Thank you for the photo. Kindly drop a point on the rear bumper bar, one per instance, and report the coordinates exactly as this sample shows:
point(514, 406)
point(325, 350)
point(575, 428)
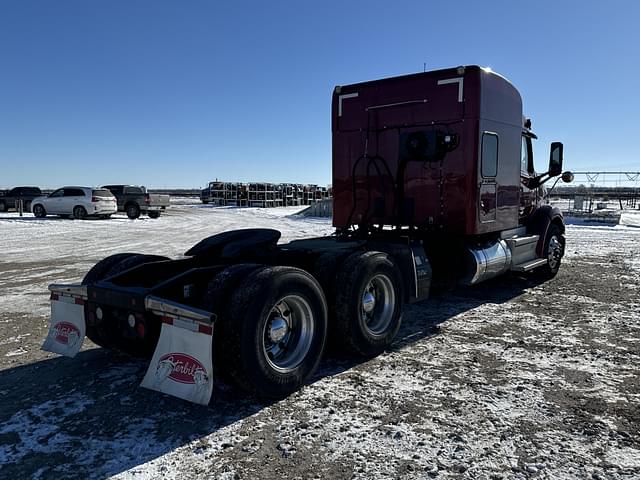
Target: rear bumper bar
point(73, 289)
point(153, 304)
point(163, 307)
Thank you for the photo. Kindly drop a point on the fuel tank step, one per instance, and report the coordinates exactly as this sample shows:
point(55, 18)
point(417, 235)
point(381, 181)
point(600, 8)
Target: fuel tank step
point(530, 265)
point(523, 248)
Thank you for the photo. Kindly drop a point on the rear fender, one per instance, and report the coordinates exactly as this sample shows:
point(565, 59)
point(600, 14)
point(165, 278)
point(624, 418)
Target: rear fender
point(235, 244)
point(540, 221)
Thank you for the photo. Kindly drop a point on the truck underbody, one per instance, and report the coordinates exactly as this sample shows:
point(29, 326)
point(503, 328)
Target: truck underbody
point(267, 310)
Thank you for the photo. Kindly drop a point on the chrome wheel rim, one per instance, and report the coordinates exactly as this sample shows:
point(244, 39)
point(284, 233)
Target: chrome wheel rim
point(554, 252)
point(377, 305)
point(288, 333)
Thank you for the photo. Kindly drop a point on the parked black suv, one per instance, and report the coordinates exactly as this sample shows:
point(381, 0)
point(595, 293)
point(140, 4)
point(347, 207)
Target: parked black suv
point(9, 198)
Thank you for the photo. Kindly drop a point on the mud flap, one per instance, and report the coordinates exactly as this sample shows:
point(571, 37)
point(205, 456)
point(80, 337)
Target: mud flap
point(182, 362)
point(67, 327)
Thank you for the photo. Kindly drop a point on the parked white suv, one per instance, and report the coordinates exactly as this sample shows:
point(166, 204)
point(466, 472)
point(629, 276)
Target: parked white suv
point(80, 202)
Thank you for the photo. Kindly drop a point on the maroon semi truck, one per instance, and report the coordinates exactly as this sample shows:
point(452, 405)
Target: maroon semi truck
point(433, 181)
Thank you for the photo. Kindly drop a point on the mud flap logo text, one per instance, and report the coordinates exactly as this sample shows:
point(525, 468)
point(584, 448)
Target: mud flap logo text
point(181, 368)
point(66, 333)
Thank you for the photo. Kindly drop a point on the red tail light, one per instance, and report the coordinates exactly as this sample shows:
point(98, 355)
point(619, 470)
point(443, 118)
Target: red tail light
point(95, 199)
point(146, 198)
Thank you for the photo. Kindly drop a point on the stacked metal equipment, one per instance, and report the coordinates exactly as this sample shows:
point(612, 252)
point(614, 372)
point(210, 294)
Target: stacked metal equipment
point(265, 195)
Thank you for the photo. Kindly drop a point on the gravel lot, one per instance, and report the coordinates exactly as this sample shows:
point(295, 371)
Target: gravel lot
point(510, 379)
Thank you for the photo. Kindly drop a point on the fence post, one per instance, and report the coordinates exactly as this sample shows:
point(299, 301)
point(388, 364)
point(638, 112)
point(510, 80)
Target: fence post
point(20, 206)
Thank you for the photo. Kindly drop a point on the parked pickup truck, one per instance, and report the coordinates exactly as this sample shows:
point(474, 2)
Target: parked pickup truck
point(9, 198)
point(135, 200)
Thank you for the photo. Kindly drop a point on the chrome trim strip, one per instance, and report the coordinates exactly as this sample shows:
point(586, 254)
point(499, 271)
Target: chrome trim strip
point(163, 306)
point(75, 289)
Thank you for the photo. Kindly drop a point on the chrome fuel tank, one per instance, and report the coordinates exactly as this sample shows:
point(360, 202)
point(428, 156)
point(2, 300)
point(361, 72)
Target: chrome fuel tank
point(486, 261)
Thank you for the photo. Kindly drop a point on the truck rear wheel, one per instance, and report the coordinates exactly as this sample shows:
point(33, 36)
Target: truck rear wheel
point(275, 331)
point(100, 271)
point(153, 214)
point(368, 302)
point(216, 300)
point(133, 261)
point(3, 206)
point(104, 332)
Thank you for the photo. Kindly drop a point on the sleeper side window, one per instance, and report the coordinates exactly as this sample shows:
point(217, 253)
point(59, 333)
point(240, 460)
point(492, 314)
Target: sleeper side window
point(489, 163)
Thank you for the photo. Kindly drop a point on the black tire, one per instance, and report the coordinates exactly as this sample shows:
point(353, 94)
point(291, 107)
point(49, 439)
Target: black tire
point(39, 211)
point(135, 260)
point(79, 212)
point(3, 206)
point(553, 251)
point(325, 270)
point(263, 306)
point(153, 214)
point(106, 334)
point(133, 210)
point(216, 300)
point(368, 303)
point(100, 271)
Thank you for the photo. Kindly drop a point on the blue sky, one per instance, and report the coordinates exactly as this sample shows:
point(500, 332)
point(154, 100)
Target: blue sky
point(174, 94)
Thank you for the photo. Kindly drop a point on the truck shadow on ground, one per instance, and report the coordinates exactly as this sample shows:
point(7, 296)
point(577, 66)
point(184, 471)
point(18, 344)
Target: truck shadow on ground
point(87, 417)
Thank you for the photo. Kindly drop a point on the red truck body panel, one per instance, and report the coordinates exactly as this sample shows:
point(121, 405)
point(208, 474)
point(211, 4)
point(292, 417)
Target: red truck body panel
point(450, 196)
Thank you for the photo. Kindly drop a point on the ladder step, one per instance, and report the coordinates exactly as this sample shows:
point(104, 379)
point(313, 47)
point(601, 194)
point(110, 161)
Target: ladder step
point(516, 242)
point(530, 265)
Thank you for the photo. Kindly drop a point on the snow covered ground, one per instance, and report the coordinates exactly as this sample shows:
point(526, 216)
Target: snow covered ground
point(510, 379)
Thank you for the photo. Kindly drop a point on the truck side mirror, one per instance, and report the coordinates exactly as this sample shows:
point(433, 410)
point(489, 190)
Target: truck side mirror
point(555, 159)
